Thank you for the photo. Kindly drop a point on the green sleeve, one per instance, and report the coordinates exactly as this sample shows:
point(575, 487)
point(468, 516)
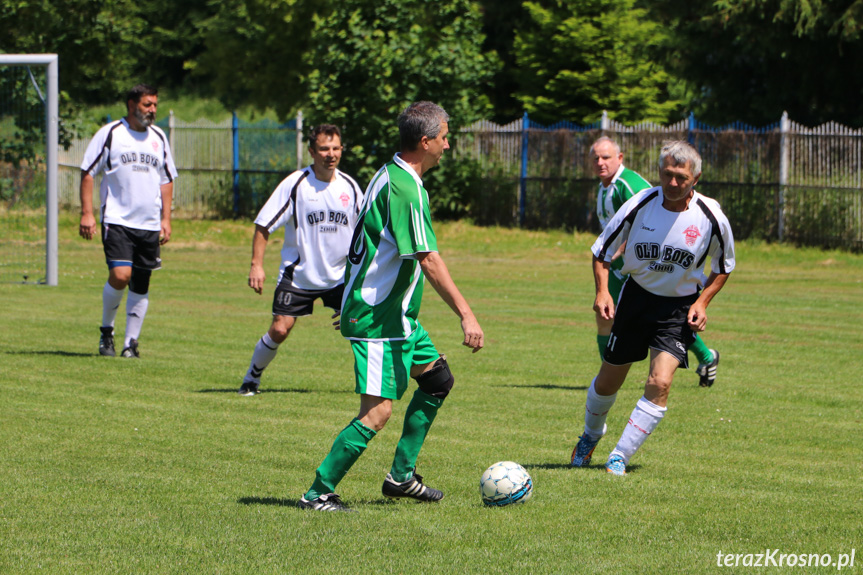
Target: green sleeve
point(410, 220)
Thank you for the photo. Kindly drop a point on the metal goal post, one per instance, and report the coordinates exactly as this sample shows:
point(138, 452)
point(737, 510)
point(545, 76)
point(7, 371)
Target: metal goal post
point(51, 61)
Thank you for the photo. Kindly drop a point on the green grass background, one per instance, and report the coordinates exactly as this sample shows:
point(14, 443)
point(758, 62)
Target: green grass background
point(158, 466)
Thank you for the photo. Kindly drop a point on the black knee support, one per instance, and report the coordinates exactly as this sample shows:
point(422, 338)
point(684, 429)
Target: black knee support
point(438, 381)
point(139, 283)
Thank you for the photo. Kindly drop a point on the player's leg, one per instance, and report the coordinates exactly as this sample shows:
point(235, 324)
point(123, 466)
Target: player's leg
point(145, 260)
point(648, 412)
point(597, 405)
point(350, 444)
point(434, 382)
point(627, 344)
point(118, 256)
point(374, 369)
point(289, 303)
point(265, 352)
point(669, 340)
point(708, 360)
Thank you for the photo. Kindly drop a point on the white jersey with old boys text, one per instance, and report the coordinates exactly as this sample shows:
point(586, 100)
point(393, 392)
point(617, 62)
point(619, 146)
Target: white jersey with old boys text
point(666, 251)
point(134, 165)
point(319, 219)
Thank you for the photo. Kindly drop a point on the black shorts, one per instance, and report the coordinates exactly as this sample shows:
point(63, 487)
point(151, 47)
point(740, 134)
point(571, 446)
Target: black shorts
point(294, 302)
point(644, 321)
point(130, 247)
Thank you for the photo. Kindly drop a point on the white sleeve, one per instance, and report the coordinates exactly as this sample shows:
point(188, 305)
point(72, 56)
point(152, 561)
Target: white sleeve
point(96, 156)
point(722, 246)
point(615, 232)
point(279, 208)
point(169, 172)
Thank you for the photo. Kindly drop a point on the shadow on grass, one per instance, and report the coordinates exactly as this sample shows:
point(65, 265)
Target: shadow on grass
point(549, 386)
point(278, 501)
point(268, 390)
point(595, 466)
point(284, 502)
point(58, 352)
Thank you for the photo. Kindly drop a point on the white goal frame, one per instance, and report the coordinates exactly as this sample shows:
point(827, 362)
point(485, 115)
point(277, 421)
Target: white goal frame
point(52, 122)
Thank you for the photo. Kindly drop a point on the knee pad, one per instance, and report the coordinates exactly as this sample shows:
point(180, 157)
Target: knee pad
point(139, 283)
point(438, 381)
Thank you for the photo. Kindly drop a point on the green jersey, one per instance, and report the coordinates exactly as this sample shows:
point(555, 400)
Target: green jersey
point(623, 186)
point(383, 278)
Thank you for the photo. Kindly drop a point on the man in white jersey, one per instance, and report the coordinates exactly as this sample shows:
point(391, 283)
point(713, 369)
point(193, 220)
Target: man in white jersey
point(616, 185)
point(318, 208)
point(668, 232)
point(137, 187)
point(393, 252)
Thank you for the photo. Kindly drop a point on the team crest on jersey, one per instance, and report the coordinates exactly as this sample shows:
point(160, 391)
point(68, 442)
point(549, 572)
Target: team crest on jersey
point(155, 145)
point(346, 200)
point(691, 234)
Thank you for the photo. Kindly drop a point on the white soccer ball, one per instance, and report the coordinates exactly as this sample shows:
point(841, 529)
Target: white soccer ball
point(505, 483)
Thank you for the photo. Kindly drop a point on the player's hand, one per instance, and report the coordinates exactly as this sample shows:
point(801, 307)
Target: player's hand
point(87, 227)
point(697, 318)
point(338, 323)
point(256, 278)
point(473, 336)
point(165, 232)
point(604, 305)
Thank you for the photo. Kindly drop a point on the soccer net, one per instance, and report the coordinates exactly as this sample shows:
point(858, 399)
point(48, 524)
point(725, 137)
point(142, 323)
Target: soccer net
point(28, 168)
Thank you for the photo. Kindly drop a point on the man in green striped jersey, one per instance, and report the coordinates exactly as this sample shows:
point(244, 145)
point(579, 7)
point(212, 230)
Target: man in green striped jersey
point(617, 184)
point(393, 251)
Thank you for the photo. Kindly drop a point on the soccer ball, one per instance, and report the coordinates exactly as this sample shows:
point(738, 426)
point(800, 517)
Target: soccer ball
point(505, 483)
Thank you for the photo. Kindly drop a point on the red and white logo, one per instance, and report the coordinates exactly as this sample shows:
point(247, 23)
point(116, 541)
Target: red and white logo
point(155, 145)
point(346, 200)
point(691, 234)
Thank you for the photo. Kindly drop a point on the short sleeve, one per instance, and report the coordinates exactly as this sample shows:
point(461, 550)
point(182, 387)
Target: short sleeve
point(410, 221)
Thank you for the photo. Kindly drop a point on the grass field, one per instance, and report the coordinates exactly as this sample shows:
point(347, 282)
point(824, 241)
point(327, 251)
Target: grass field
point(158, 466)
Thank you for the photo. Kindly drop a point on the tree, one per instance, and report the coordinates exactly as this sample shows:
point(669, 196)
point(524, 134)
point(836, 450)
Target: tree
point(751, 60)
point(500, 20)
point(580, 57)
point(105, 47)
point(255, 52)
point(372, 58)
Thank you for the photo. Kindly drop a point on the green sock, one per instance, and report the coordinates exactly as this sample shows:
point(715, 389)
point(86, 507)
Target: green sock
point(701, 351)
point(418, 419)
point(602, 342)
point(347, 448)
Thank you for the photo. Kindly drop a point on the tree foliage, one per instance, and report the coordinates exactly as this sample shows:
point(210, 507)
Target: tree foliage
point(580, 57)
point(751, 60)
point(105, 47)
point(374, 58)
point(254, 52)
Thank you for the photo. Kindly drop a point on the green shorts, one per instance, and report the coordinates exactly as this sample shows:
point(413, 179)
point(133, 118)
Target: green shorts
point(383, 368)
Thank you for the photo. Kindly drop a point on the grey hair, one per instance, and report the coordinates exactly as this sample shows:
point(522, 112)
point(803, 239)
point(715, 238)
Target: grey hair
point(602, 139)
point(418, 120)
point(681, 152)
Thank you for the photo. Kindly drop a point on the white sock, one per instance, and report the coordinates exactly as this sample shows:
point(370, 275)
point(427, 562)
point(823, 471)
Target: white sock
point(644, 419)
point(111, 299)
point(136, 309)
point(596, 411)
point(265, 351)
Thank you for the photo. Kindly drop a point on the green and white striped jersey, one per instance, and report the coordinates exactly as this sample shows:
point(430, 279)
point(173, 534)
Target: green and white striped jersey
point(383, 278)
point(623, 186)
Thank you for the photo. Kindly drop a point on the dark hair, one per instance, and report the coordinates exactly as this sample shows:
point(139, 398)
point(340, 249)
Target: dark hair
point(418, 120)
point(141, 90)
point(330, 130)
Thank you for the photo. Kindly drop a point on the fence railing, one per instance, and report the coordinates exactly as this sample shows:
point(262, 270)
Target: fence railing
point(784, 181)
point(225, 167)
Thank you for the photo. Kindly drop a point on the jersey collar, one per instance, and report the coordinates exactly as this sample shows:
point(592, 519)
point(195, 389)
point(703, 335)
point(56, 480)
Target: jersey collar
point(614, 179)
point(406, 167)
